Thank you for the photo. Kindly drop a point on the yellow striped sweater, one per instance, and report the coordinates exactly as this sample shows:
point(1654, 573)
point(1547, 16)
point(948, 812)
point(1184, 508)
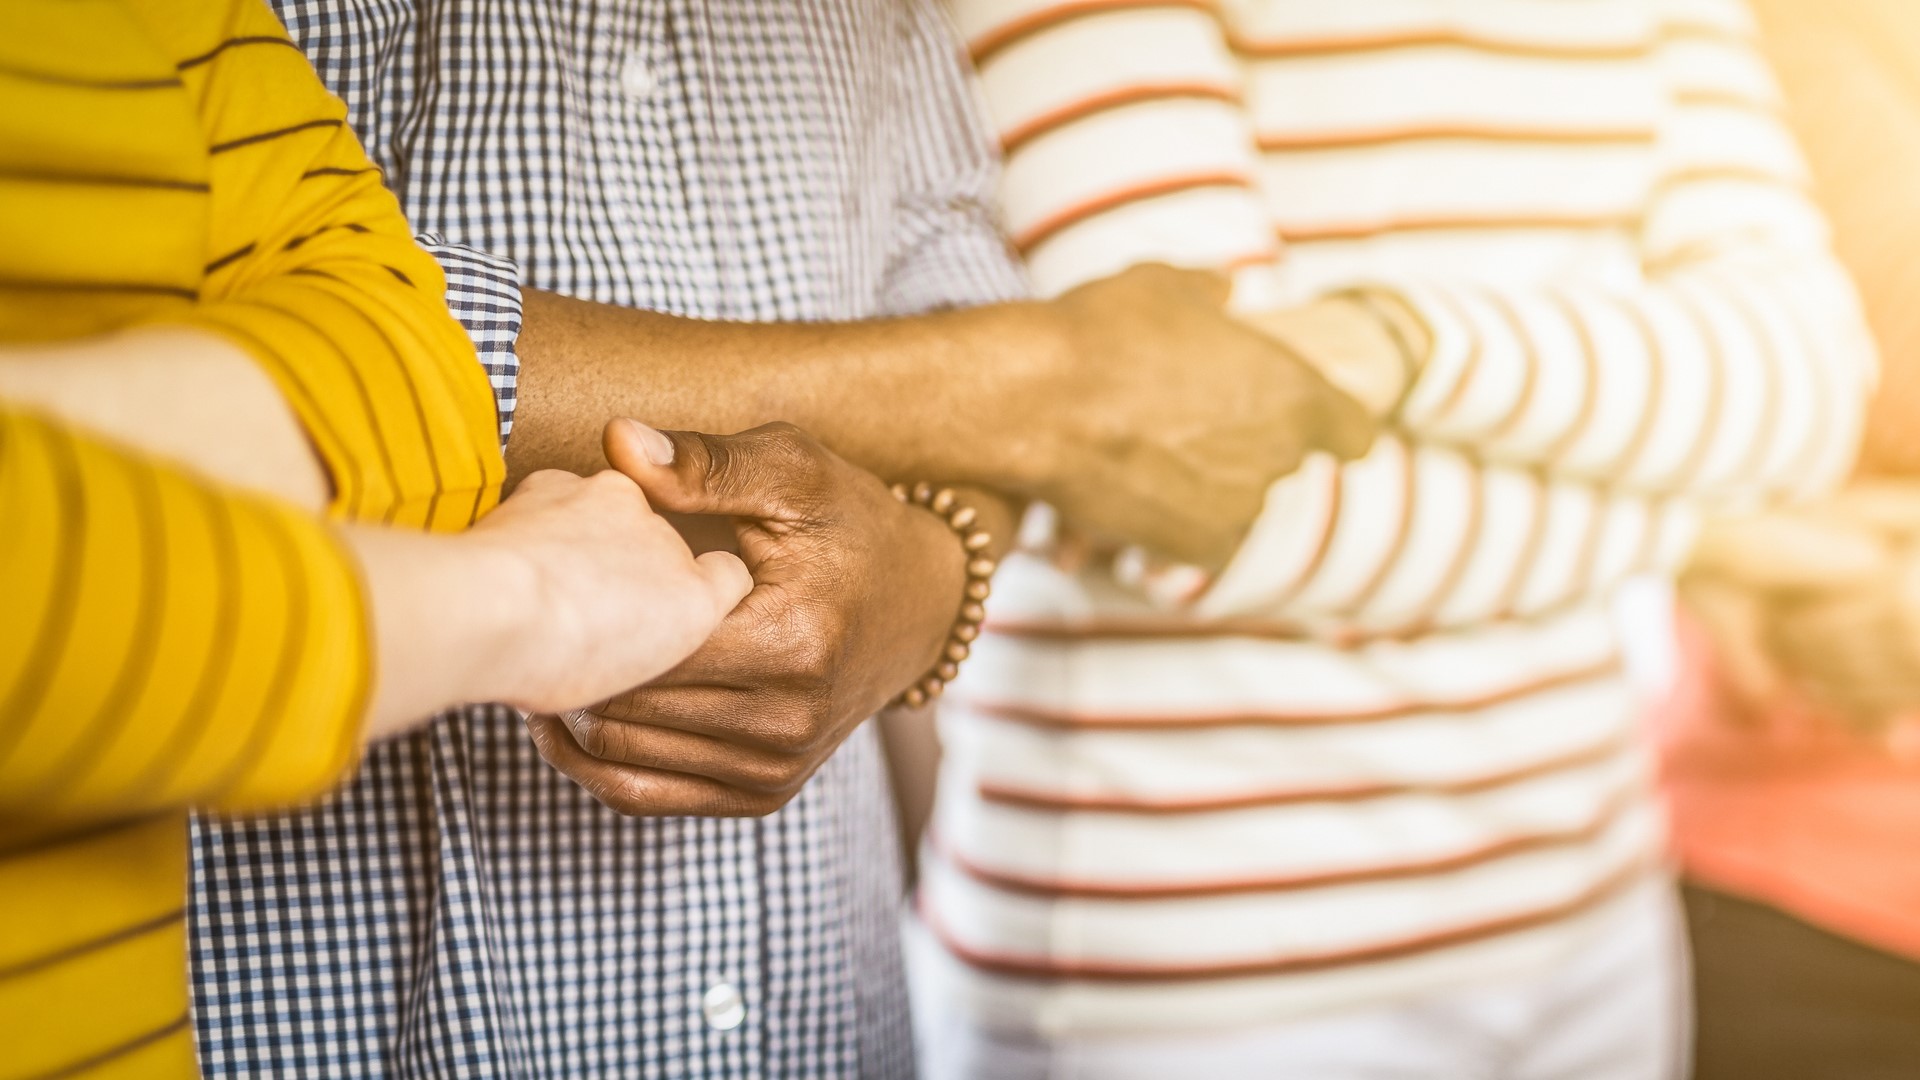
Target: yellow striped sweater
point(167, 644)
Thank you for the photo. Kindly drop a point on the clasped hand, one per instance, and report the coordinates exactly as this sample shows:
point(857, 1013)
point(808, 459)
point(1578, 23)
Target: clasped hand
point(852, 599)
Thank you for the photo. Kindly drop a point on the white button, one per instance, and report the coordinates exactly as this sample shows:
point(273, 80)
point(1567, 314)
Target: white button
point(636, 78)
point(723, 1006)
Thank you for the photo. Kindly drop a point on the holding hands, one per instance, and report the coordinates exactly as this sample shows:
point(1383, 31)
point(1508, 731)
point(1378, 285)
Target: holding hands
point(853, 597)
point(1174, 417)
point(570, 590)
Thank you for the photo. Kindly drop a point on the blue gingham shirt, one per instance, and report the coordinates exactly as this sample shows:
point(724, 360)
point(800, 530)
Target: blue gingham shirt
point(461, 909)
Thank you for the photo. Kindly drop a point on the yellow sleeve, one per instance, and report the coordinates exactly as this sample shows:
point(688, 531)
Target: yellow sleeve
point(166, 643)
point(313, 268)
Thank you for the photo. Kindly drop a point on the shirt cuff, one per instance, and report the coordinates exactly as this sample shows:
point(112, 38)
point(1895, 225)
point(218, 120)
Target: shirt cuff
point(483, 292)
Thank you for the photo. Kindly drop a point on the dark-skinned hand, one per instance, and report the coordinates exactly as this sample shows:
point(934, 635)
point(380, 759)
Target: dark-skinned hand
point(854, 595)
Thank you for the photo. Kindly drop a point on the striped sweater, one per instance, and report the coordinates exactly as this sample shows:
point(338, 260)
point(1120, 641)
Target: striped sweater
point(165, 643)
point(1389, 747)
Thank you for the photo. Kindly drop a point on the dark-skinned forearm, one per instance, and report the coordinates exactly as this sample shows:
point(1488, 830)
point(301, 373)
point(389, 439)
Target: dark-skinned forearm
point(909, 399)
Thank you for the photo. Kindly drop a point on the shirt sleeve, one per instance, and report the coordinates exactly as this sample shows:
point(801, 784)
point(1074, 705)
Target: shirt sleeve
point(1419, 536)
point(483, 292)
point(315, 271)
point(947, 249)
point(1556, 438)
point(1737, 368)
point(167, 642)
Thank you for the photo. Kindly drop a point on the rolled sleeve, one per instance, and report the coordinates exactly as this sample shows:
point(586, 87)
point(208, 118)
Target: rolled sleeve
point(947, 248)
point(483, 292)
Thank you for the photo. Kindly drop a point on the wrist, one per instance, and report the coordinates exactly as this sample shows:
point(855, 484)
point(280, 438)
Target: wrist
point(971, 544)
point(444, 613)
point(1003, 441)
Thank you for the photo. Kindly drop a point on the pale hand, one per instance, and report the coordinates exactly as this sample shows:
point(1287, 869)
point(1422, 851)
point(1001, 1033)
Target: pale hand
point(618, 596)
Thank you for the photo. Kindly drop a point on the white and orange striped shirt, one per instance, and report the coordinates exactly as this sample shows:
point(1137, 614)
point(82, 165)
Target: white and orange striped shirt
point(1389, 748)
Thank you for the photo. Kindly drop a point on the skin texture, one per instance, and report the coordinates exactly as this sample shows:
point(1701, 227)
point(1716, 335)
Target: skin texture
point(188, 395)
point(571, 590)
point(854, 593)
point(1096, 403)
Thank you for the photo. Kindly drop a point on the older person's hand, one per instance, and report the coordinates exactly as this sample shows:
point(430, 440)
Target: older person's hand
point(854, 595)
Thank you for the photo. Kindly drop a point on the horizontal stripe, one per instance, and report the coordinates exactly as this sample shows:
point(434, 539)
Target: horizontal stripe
point(986, 45)
point(93, 1062)
point(1303, 233)
point(1569, 136)
point(161, 183)
point(983, 47)
point(335, 170)
point(1037, 234)
point(78, 836)
point(140, 929)
point(55, 78)
point(1738, 174)
point(268, 136)
point(148, 287)
point(232, 43)
point(1507, 847)
point(1027, 967)
point(1176, 628)
point(1078, 721)
point(1113, 99)
point(1439, 37)
point(1030, 799)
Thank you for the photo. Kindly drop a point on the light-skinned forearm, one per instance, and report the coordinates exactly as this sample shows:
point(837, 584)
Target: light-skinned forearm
point(444, 615)
point(188, 395)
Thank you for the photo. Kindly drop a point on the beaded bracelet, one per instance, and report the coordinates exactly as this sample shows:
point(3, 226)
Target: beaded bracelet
point(960, 518)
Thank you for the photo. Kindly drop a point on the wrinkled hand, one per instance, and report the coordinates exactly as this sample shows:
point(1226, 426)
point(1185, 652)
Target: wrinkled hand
point(1174, 418)
point(854, 594)
point(616, 596)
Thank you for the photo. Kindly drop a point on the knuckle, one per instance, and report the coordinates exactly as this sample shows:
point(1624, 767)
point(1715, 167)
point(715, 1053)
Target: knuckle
point(770, 775)
point(791, 447)
point(589, 732)
point(793, 733)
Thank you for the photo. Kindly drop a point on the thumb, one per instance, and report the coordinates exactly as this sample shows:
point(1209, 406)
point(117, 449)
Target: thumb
point(752, 474)
point(726, 578)
point(1345, 427)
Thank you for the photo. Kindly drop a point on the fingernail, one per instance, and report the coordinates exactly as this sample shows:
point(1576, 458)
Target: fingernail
point(657, 447)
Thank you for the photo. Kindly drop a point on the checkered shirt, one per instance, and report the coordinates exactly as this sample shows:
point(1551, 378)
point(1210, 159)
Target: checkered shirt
point(461, 909)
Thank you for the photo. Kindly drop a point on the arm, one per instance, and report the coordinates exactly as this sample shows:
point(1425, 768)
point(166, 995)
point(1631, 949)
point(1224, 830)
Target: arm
point(313, 272)
point(1154, 449)
point(1736, 370)
point(174, 643)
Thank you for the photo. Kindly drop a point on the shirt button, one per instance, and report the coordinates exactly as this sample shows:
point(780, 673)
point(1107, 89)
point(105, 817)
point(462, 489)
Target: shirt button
point(723, 1006)
point(636, 78)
